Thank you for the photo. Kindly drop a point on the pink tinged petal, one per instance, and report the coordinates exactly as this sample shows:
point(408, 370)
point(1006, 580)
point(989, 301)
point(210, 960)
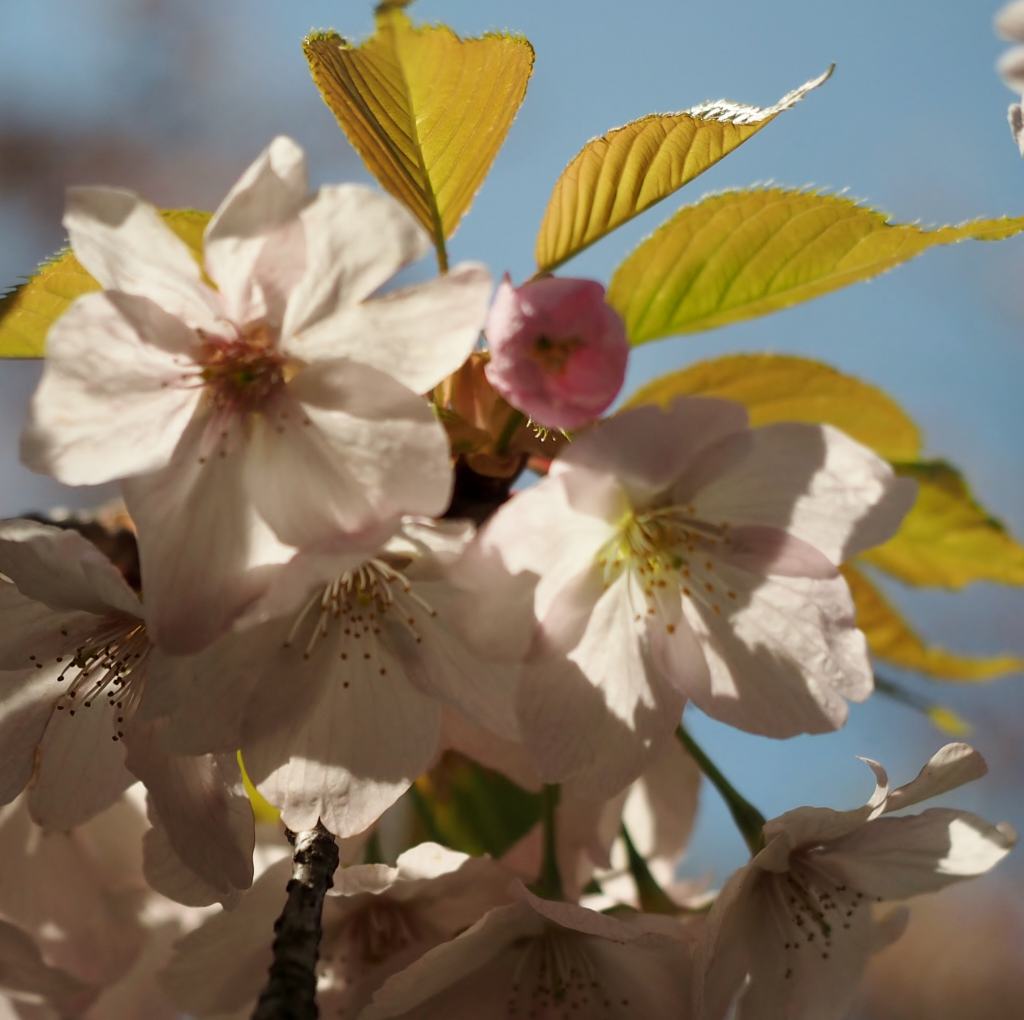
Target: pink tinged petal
point(418, 335)
point(54, 887)
point(123, 243)
point(809, 480)
point(782, 658)
point(648, 448)
point(365, 734)
point(592, 709)
point(222, 965)
point(166, 873)
point(26, 702)
point(812, 826)
point(206, 554)
point(1011, 68)
point(371, 450)
point(765, 550)
point(200, 802)
point(950, 767)
point(510, 758)
point(558, 351)
point(27, 978)
point(441, 664)
point(661, 810)
point(114, 397)
point(34, 636)
point(81, 767)
point(356, 240)
point(257, 215)
point(893, 858)
point(459, 974)
point(62, 570)
point(800, 972)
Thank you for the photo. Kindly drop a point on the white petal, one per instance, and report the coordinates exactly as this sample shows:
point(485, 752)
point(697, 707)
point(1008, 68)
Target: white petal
point(951, 766)
point(363, 735)
point(253, 220)
point(450, 969)
point(647, 448)
point(26, 701)
point(126, 246)
point(111, 402)
point(809, 480)
point(27, 978)
point(200, 802)
point(81, 767)
point(893, 858)
point(783, 663)
point(371, 451)
point(34, 636)
point(205, 553)
point(598, 713)
point(222, 965)
point(418, 335)
point(63, 570)
point(356, 240)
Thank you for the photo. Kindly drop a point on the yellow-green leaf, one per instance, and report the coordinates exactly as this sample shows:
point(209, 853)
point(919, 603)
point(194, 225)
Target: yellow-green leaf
point(779, 387)
point(28, 311)
point(617, 176)
point(744, 253)
point(948, 540)
point(426, 110)
point(890, 637)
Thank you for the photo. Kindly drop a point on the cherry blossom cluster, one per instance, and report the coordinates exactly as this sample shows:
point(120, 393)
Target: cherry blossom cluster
point(322, 592)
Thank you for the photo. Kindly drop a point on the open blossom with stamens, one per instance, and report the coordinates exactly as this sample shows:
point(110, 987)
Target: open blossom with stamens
point(377, 919)
point(797, 921)
point(337, 704)
point(680, 554)
point(548, 959)
point(75, 665)
point(276, 412)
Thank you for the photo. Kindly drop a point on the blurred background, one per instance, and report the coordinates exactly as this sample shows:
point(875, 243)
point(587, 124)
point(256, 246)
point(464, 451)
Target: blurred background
point(173, 98)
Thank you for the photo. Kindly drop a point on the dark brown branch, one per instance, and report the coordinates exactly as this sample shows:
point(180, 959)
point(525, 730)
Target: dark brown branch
point(290, 991)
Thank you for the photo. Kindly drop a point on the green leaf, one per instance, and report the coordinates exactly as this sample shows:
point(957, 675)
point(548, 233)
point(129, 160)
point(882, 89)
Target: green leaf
point(426, 110)
point(617, 176)
point(28, 311)
point(891, 638)
point(948, 540)
point(476, 810)
point(745, 253)
point(779, 387)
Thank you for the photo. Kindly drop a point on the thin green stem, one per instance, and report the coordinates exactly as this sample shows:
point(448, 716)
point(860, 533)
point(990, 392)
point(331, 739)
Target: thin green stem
point(747, 818)
point(514, 420)
point(652, 897)
point(549, 883)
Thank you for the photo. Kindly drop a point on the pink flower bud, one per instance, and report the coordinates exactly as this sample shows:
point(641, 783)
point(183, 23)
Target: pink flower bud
point(558, 351)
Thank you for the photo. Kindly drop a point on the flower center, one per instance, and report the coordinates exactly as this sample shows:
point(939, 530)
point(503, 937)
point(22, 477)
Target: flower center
point(242, 374)
point(358, 604)
point(108, 667)
point(376, 932)
point(554, 977)
point(811, 908)
point(553, 354)
point(668, 548)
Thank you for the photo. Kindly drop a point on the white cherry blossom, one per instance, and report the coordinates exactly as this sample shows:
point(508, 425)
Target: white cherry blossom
point(548, 959)
point(272, 413)
point(337, 704)
point(680, 554)
point(75, 665)
point(797, 921)
point(377, 919)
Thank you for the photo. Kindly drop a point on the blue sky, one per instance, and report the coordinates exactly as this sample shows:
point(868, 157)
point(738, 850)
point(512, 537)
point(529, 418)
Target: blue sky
point(913, 122)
